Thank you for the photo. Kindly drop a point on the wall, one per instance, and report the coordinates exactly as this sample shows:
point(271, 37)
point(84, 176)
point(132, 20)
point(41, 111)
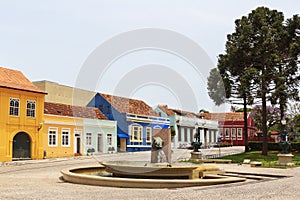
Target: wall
point(59, 123)
point(11, 125)
point(64, 94)
point(102, 127)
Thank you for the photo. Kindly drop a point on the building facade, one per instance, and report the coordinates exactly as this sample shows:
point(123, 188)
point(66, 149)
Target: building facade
point(136, 121)
point(57, 93)
point(185, 124)
point(231, 126)
point(21, 107)
point(75, 130)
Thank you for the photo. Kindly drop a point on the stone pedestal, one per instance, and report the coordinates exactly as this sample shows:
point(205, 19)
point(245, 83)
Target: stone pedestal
point(163, 154)
point(285, 159)
point(196, 155)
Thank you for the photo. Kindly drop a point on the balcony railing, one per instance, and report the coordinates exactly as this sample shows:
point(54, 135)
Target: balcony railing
point(148, 119)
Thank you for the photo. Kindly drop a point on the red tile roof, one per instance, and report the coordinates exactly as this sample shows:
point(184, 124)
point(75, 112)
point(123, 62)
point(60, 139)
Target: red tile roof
point(229, 116)
point(126, 105)
point(14, 79)
point(73, 111)
point(172, 112)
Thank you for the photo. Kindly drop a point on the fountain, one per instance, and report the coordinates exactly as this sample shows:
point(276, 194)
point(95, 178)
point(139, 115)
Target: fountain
point(154, 174)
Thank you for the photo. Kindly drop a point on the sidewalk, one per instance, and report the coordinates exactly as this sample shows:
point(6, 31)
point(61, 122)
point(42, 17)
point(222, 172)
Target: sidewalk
point(177, 154)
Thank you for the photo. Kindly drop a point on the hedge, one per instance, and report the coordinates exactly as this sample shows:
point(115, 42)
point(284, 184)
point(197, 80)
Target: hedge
point(273, 146)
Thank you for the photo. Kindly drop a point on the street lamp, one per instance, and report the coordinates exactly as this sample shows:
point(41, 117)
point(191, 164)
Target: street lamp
point(284, 143)
point(284, 157)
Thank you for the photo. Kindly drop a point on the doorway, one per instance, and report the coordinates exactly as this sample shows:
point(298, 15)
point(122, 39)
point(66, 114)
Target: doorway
point(100, 143)
point(77, 142)
point(21, 146)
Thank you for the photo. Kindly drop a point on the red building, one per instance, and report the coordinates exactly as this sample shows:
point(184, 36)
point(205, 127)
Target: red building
point(231, 126)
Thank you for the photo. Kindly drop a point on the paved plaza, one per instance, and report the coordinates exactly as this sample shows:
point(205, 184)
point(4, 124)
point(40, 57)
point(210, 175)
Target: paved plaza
point(41, 179)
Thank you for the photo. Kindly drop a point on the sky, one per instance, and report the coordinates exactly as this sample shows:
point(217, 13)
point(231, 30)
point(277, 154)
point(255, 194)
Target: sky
point(68, 41)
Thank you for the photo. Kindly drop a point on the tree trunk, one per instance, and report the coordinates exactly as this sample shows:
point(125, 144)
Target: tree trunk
point(245, 125)
point(264, 113)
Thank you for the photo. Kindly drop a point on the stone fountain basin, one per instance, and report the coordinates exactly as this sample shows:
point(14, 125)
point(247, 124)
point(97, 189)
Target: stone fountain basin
point(140, 169)
point(87, 175)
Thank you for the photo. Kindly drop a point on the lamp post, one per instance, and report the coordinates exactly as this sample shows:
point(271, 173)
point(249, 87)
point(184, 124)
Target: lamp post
point(284, 143)
point(284, 157)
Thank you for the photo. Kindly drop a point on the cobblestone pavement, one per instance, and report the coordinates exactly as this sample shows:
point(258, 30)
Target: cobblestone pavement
point(40, 179)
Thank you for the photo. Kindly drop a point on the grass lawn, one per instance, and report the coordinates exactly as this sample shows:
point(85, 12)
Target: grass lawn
point(267, 161)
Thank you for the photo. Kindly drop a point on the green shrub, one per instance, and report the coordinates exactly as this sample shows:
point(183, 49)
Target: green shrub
point(257, 146)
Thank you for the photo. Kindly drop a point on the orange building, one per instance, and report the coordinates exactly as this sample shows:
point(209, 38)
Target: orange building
point(21, 115)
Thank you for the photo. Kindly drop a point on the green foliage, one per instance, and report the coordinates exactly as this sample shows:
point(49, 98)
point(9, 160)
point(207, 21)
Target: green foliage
point(257, 146)
point(242, 110)
point(91, 150)
point(260, 63)
point(267, 161)
point(215, 86)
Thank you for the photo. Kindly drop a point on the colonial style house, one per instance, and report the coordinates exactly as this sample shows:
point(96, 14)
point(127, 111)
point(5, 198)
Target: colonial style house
point(231, 126)
point(136, 120)
point(76, 130)
point(185, 124)
point(21, 107)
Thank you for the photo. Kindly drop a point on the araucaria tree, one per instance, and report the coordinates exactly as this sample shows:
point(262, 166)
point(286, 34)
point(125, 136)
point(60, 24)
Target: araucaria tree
point(256, 55)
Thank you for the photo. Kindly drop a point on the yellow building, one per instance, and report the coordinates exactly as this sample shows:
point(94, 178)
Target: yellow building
point(72, 130)
point(21, 116)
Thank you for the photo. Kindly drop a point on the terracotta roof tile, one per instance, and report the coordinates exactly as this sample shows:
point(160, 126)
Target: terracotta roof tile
point(126, 105)
point(73, 111)
point(166, 110)
point(229, 116)
point(172, 112)
point(16, 80)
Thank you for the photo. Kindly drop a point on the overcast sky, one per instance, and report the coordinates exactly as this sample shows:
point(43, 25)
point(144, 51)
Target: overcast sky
point(51, 40)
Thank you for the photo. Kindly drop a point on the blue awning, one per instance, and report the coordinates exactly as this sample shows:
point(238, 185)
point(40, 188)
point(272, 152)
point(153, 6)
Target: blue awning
point(123, 135)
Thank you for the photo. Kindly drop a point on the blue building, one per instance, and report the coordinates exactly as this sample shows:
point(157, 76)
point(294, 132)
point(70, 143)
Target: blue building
point(136, 121)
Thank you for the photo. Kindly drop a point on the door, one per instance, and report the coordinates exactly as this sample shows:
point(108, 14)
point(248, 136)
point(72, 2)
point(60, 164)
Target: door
point(21, 146)
point(123, 144)
point(77, 141)
point(100, 143)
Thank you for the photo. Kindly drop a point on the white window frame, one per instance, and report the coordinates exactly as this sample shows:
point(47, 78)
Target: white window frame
point(148, 134)
point(240, 133)
point(227, 132)
point(88, 139)
point(31, 111)
point(233, 133)
point(109, 139)
point(65, 142)
point(14, 108)
point(136, 130)
point(52, 132)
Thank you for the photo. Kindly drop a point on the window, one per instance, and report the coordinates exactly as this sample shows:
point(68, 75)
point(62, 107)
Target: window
point(101, 107)
point(148, 134)
point(65, 137)
point(136, 133)
point(109, 139)
point(52, 137)
point(14, 107)
point(30, 109)
point(108, 109)
point(226, 132)
point(88, 139)
point(239, 133)
point(233, 133)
